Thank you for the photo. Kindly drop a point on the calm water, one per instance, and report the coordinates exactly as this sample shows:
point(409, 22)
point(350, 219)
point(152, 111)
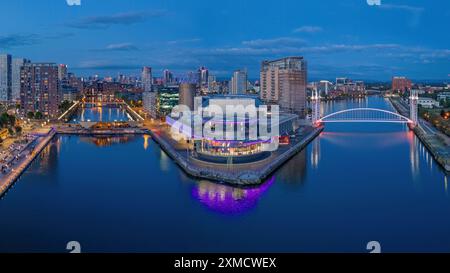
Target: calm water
point(354, 184)
point(100, 114)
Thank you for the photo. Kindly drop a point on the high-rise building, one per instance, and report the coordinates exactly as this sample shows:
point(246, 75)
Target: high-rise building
point(149, 101)
point(238, 84)
point(17, 64)
point(283, 82)
point(167, 77)
point(187, 95)
point(62, 72)
point(147, 78)
point(203, 76)
point(75, 82)
point(39, 91)
point(5, 77)
point(212, 84)
point(324, 87)
point(401, 84)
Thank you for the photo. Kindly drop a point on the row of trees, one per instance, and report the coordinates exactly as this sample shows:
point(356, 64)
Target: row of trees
point(9, 122)
point(439, 120)
point(37, 115)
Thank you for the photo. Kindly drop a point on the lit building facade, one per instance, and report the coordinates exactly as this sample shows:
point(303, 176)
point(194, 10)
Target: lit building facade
point(62, 72)
point(16, 65)
point(401, 84)
point(203, 77)
point(284, 82)
point(238, 83)
point(147, 78)
point(149, 101)
point(5, 77)
point(39, 91)
point(225, 147)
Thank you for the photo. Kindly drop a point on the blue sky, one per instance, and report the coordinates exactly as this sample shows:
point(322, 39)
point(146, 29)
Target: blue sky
point(337, 37)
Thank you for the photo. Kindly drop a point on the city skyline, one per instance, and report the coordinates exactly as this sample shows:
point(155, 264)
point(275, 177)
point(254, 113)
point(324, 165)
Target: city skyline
point(123, 37)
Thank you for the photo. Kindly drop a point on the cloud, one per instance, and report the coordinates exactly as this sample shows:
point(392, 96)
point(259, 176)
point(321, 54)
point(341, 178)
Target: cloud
point(194, 40)
point(16, 40)
point(258, 50)
point(308, 29)
point(120, 47)
point(105, 21)
point(276, 42)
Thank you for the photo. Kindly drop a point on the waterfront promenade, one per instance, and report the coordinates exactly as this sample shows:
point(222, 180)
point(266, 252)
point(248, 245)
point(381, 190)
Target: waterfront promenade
point(25, 157)
point(236, 174)
point(436, 142)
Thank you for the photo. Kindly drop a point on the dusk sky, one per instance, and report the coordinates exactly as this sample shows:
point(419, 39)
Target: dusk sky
point(337, 37)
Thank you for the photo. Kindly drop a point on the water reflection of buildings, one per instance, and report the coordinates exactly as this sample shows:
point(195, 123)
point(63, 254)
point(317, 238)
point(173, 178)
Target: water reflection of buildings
point(315, 153)
point(445, 184)
point(229, 200)
point(414, 157)
point(417, 152)
point(49, 156)
point(103, 113)
point(146, 138)
point(294, 171)
point(105, 141)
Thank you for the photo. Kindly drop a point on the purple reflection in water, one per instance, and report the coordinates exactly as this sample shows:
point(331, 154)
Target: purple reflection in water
point(229, 200)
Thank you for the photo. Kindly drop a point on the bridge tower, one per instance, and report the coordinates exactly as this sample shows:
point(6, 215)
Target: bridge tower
point(315, 106)
point(413, 99)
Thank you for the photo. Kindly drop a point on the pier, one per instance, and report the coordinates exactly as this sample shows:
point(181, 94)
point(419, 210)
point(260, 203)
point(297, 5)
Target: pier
point(245, 174)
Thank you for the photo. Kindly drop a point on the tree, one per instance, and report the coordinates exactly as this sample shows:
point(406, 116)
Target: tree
point(18, 130)
point(4, 120)
point(65, 105)
point(12, 120)
point(30, 115)
point(38, 115)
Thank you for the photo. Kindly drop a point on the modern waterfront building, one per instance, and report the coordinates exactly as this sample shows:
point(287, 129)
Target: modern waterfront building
point(348, 86)
point(284, 82)
point(401, 84)
point(225, 147)
point(187, 95)
point(5, 77)
point(149, 101)
point(160, 102)
point(16, 66)
point(39, 90)
point(167, 99)
point(101, 91)
point(238, 83)
point(147, 78)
